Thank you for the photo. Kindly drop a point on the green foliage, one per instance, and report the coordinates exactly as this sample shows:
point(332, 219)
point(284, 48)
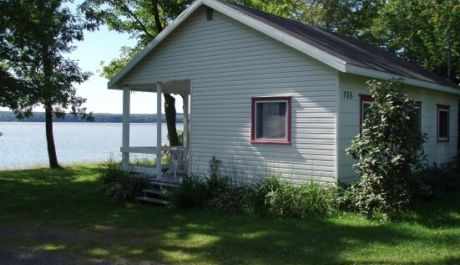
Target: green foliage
point(180, 135)
point(193, 193)
point(269, 197)
point(388, 151)
point(440, 180)
point(36, 35)
point(235, 200)
point(422, 32)
point(119, 184)
point(111, 68)
point(216, 182)
point(348, 197)
point(311, 199)
point(348, 17)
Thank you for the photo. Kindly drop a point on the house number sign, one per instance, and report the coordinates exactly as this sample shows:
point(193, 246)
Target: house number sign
point(347, 94)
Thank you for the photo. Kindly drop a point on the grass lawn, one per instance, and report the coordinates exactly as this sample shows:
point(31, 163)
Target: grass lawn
point(65, 212)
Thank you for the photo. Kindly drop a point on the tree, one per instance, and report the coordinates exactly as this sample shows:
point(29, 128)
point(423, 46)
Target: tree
point(389, 149)
point(348, 17)
point(424, 32)
point(143, 20)
point(34, 36)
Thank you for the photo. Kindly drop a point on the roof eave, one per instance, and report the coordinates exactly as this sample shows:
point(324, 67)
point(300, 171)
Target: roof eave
point(353, 69)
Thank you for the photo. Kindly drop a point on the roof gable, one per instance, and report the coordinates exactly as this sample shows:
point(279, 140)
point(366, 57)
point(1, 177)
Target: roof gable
point(342, 53)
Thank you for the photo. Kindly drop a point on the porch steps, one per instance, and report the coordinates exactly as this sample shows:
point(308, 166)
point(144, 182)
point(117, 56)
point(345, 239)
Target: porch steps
point(154, 193)
point(152, 200)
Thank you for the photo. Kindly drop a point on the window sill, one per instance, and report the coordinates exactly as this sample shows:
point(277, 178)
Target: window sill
point(441, 140)
point(280, 142)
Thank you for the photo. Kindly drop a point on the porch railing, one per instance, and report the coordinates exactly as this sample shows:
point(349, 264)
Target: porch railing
point(177, 164)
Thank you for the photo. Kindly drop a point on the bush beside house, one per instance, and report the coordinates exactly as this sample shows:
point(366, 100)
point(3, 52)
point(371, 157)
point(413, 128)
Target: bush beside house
point(388, 151)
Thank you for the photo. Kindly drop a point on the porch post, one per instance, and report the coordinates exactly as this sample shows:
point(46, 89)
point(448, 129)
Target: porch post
point(186, 122)
point(159, 123)
point(186, 132)
point(125, 139)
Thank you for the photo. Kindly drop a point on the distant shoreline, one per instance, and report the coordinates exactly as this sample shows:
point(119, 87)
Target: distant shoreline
point(7, 116)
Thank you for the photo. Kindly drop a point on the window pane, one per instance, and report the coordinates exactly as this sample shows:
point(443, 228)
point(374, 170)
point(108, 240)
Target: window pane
point(443, 124)
point(366, 106)
point(271, 120)
point(418, 121)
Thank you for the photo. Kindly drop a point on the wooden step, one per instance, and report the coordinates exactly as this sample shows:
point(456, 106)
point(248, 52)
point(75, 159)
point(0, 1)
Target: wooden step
point(165, 184)
point(152, 191)
point(152, 200)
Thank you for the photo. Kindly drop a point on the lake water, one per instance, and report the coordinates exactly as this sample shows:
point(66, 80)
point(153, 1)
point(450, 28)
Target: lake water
point(23, 144)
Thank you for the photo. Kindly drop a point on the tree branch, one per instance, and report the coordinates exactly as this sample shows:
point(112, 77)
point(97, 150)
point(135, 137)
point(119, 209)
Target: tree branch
point(133, 15)
point(156, 16)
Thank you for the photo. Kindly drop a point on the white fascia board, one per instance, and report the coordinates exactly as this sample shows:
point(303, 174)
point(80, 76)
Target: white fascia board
point(352, 69)
point(278, 35)
point(154, 43)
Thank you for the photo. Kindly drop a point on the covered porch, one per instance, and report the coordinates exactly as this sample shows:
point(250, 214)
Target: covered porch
point(178, 156)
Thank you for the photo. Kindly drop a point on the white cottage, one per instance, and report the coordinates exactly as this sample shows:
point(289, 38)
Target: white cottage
point(267, 95)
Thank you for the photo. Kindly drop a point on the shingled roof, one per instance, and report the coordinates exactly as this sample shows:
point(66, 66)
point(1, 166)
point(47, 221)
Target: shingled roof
point(345, 54)
point(351, 50)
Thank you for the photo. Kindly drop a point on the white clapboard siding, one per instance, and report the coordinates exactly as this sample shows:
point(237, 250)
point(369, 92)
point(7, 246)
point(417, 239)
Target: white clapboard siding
point(438, 152)
point(228, 63)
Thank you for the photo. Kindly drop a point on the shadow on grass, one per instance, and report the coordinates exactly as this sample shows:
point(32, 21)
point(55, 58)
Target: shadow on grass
point(439, 213)
point(65, 211)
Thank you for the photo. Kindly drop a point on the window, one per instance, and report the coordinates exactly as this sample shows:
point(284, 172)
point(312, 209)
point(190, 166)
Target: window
point(271, 120)
point(443, 123)
point(418, 123)
point(366, 102)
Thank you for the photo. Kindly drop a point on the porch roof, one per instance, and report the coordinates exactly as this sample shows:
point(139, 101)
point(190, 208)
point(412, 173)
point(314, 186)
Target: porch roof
point(173, 86)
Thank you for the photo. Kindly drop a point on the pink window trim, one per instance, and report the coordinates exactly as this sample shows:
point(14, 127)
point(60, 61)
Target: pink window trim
point(442, 107)
point(363, 98)
point(419, 105)
point(255, 140)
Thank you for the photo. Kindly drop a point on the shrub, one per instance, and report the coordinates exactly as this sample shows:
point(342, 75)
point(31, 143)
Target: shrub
point(347, 197)
point(300, 201)
point(193, 193)
point(261, 192)
point(388, 150)
point(268, 197)
point(234, 200)
point(439, 180)
point(217, 184)
point(119, 184)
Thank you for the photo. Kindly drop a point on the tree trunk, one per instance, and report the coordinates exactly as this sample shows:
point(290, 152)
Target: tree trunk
point(50, 137)
point(449, 56)
point(170, 102)
point(170, 113)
